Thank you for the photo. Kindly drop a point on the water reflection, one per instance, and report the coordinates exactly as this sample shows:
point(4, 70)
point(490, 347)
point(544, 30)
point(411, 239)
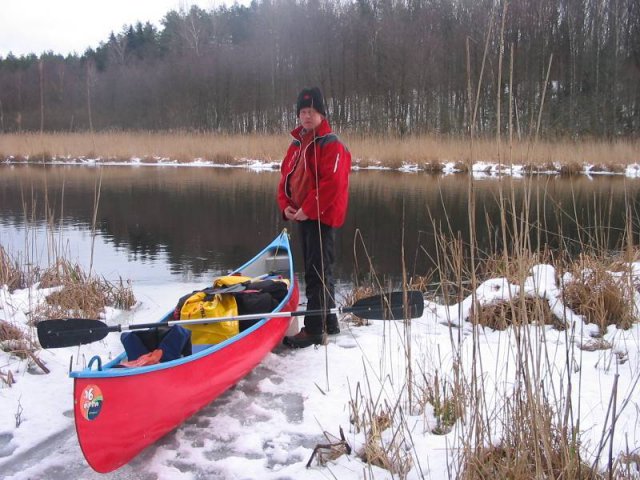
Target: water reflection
point(200, 221)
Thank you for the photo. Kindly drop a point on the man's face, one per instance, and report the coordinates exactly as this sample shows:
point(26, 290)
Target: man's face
point(310, 118)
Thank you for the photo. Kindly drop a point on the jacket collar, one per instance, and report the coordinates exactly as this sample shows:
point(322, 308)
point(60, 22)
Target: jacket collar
point(323, 129)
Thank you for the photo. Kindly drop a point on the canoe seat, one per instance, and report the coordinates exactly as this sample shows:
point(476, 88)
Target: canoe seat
point(277, 263)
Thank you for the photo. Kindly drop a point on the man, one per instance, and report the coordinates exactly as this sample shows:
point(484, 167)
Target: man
point(314, 192)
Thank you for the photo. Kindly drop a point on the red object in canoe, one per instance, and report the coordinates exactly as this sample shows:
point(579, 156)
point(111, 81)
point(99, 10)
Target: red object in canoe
point(119, 411)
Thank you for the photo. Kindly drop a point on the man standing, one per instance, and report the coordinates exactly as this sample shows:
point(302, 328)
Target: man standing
point(314, 192)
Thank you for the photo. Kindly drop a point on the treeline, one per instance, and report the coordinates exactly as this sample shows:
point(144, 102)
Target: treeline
point(564, 67)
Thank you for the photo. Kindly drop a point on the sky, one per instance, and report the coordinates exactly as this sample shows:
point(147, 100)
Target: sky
point(267, 426)
point(68, 26)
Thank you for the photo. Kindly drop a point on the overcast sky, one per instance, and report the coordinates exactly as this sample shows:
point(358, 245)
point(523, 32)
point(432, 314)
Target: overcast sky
point(67, 26)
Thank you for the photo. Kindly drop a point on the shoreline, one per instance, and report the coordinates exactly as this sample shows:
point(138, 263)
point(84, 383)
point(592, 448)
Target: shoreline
point(480, 169)
point(435, 154)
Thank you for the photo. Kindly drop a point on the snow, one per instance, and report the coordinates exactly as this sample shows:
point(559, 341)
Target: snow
point(479, 170)
point(268, 425)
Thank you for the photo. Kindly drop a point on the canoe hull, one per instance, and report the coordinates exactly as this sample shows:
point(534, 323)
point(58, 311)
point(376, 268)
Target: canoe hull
point(118, 414)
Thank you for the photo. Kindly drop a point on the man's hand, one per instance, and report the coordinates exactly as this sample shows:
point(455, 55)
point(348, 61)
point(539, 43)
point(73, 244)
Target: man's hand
point(300, 216)
point(290, 213)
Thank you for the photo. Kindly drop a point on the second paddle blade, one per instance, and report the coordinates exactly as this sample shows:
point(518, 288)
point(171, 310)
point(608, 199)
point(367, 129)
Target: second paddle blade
point(70, 332)
point(390, 306)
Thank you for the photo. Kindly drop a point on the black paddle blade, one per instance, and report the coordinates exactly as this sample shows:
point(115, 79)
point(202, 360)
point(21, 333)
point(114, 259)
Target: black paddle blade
point(70, 332)
point(389, 307)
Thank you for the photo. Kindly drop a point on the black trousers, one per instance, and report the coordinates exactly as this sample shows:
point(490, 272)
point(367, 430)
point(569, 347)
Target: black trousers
point(318, 249)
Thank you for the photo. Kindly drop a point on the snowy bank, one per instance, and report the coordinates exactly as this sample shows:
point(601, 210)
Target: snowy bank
point(269, 424)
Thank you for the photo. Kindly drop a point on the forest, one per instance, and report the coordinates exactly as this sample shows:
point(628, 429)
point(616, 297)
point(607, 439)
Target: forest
point(566, 68)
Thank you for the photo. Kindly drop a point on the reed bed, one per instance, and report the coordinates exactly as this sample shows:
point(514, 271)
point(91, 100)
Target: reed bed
point(69, 289)
point(147, 146)
point(428, 151)
point(11, 274)
point(74, 292)
point(531, 428)
point(71, 292)
point(604, 297)
point(80, 294)
point(532, 431)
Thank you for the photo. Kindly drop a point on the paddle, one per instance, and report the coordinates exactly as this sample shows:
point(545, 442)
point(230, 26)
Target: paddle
point(69, 332)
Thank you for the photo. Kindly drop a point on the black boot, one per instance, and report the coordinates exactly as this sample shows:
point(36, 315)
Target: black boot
point(303, 339)
point(333, 329)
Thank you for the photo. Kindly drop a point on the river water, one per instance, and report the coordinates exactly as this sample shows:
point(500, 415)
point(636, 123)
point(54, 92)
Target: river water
point(163, 223)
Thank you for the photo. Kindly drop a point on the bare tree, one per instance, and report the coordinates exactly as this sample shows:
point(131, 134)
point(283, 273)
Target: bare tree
point(385, 66)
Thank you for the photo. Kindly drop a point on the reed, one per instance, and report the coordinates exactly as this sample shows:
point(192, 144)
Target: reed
point(517, 312)
point(146, 146)
point(80, 294)
point(11, 274)
point(531, 430)
point(523, 419)
point(74, 291)
point(9, 332)
point(428, 151)
point(378, 421)
point(602, 296)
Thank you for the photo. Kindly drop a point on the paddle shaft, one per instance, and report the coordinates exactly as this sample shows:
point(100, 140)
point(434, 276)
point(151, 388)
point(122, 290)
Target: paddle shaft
point(239, 318)
point(75, 331)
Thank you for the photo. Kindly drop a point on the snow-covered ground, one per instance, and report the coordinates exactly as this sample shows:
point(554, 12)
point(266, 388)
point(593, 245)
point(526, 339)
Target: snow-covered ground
point(268, 425)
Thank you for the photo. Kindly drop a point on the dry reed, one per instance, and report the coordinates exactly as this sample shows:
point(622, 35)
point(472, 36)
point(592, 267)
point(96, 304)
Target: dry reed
point(602, 298)
point(446, 400)
point(528, 449)
point(11, 274)
point(535, 438)
point(332, 450)
point(352, 297)
point(14, 341)
point(146, 146)
point(387, 451)
point(519, 311)
point(9, 332)
point(429, 152)
point(80, 295)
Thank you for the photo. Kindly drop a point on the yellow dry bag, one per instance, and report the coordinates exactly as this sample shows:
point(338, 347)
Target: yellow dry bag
point(207, 305)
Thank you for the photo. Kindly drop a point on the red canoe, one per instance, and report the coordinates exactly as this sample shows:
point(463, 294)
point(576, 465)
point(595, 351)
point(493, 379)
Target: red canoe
point(120, 411)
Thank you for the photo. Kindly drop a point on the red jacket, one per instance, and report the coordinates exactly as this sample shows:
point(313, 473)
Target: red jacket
point(327, 164)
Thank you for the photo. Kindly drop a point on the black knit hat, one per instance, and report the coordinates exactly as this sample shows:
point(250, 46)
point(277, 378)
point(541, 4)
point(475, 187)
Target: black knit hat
point(310, 97)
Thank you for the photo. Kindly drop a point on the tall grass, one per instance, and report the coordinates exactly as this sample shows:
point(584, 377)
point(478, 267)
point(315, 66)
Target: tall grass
point(77, 293)
point(523, 420)
point(11, 274)
point(72, 291)
point(428, 151)
point(147, 146)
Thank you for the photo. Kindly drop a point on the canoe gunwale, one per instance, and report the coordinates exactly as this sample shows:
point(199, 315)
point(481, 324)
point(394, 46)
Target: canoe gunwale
point(109, 371)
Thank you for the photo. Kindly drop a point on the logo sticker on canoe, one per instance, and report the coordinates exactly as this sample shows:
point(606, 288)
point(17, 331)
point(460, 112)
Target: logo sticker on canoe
point(91, 402)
